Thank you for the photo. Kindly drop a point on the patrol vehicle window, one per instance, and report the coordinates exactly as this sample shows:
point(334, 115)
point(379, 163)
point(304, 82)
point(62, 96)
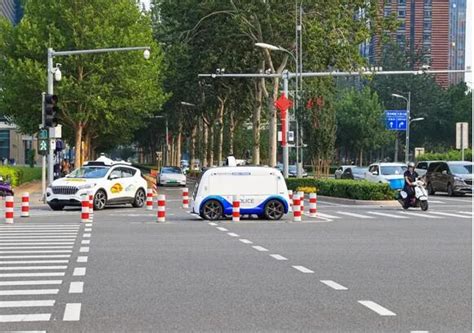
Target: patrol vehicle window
point(127, 173)
point(116, 173)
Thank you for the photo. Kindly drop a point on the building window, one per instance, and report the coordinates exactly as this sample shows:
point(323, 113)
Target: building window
point(428, 2)
point(386, 12)
point(427, 25)
point(401, 39)
point(427, 36)
point(402, 25)
point(401, 13)
point(402, 2)
point(427, 13)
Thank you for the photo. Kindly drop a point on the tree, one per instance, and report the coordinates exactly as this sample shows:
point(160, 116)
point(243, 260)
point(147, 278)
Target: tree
point(101, 95)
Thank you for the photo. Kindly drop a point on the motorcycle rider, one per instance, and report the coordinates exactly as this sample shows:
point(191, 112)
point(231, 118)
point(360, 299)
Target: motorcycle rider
point(410, 177)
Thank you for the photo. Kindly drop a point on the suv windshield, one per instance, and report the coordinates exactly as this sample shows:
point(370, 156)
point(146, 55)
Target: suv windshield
point(393, 170)
point(460, 169)
point(171, 170)
point(89, 172)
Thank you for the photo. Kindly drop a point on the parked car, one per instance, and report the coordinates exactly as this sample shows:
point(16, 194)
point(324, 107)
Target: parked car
point(171, 175)
point(292, 171)
point(262, 191)
point(110, 182)
point(339, 171)
point(390, 173)
point(354, 172)
point(422, 167)
point(454, 177)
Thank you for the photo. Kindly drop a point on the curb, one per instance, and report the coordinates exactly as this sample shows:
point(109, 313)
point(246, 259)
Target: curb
point(346, 201)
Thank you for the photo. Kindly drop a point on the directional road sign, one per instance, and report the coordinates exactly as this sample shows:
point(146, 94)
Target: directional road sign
point(396, 120)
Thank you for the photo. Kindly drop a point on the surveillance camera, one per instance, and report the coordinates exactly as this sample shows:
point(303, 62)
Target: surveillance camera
point(425, 67)
point(213, 76)
point(146, 54)
point(57, 74)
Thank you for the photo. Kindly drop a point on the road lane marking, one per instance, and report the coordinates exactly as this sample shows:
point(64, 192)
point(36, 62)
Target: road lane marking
point(420, 331)
point(37, 256)
point(302, 269)
point(36, 233)
point(86, 235)
point(86, 241)
point(38, 251)
point(278, 257)
point(31, 268)
point(231, 234)
point(333, 285)
point(72, 312)
point(84, 249)
point(469, 213)
point(388, 215)
point(34, 262)
point(76, 287)
point(26, 304)
point(87, 229)
point(452, 215)
point(32, 274)
point(212, 223)
point(30, 282)
point(79, 271)
point(421, 215)
point(34, 247)
point(245, 241)
point(11, 242)
point(82, 259)
point(221, 229)
point(260, 248)
point(28, 292)
point(25, 317)
point(33, 238)
point(88, 224)
point(327, 216)
point(356, 215)
point(377, 308)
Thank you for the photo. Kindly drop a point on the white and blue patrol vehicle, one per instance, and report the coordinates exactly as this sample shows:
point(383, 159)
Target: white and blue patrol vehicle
point(262, 191)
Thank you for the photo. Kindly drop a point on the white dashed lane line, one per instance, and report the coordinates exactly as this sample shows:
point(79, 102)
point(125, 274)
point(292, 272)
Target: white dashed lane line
point(356, 215)
point(260, 248)
point(333, 285)
point(421, 215)
point(86, 241)
point(388, 215)
point(302, 269)
point(377, 308)
point(72, 312)
point(86, 235)
point(278, 257)
point(212, 223)
point(452, 215)
point(245, 241)
point(231, 234)
point(221, 229)
point(84, 249)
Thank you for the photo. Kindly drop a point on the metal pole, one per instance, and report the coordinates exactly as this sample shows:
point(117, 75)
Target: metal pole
point(43, 158)
point(167, 143)
point(50, 92)
point(395, 157)
point(285, 129)
point(407, 148)
point(462, 142)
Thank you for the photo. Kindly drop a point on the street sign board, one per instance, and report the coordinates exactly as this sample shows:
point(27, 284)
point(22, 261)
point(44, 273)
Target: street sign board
point(462, 135)
point(43, 142)
point(396, 120)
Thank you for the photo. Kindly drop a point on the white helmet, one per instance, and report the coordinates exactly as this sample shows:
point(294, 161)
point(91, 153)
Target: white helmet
point(411, 164)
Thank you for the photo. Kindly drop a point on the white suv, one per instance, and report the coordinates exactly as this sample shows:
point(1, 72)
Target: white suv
point(109, 181)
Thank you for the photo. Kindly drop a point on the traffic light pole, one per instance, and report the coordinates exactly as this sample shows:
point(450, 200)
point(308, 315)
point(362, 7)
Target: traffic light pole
point(51, 141)
point(43, 158)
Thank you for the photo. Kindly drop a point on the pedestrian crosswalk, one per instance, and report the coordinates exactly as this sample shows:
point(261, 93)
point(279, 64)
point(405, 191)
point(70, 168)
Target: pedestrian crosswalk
point(34, 261)
point(389, 214)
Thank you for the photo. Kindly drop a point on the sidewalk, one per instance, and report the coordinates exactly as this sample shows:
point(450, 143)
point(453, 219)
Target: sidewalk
point(34, 189)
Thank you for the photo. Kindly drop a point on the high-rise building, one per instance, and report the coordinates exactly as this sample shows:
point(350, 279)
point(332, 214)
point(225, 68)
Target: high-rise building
point(435, 28)
point(11, 9)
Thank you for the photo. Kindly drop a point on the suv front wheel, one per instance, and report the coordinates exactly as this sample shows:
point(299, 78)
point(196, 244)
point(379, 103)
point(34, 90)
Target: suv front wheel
point(100, 200)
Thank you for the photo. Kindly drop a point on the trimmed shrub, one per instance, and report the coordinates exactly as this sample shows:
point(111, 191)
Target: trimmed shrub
point(306, 189)
point(12, 175)
point(451, 155)
point(351, 189)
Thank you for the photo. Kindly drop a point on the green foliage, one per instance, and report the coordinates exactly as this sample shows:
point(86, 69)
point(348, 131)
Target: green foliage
point(451, 155)
point(18, 175)
point(351, 189)
point(108, 95)
point(31, 157)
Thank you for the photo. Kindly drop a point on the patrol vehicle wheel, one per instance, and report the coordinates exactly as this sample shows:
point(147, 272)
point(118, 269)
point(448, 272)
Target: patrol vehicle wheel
point(274, 210)
point(139, 199)
point(100, 200)
point(212, 210)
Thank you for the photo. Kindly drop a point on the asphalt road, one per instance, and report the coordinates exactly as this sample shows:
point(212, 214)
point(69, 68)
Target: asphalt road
point(352, 269)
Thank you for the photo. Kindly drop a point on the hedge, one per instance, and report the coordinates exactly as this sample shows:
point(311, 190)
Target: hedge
point(351, 189)
point(18, 175)
point(451, 155)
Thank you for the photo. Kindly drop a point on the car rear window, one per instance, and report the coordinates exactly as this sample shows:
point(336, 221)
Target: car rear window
point(433, 166)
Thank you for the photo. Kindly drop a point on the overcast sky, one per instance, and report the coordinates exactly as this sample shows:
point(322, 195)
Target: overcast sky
point(469, 39)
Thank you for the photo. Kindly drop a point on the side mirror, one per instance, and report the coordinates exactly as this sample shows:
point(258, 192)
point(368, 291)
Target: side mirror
point(375, 173)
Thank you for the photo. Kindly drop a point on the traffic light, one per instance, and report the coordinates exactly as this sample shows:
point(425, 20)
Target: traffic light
point(51, 110)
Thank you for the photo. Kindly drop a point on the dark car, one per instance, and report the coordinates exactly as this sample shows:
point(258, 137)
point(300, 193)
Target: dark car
point(454, 177)
point(354, 172)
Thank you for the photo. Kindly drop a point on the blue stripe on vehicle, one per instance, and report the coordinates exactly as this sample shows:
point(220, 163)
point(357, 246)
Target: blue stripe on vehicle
point(254, 210)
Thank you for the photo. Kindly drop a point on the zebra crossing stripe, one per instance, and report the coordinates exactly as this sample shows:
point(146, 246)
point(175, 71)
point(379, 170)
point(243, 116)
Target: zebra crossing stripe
point(356, 215)
point(388, 215)
point(452, 215)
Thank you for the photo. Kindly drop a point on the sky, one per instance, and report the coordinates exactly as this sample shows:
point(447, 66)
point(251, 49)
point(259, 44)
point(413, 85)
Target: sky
point(469, 77)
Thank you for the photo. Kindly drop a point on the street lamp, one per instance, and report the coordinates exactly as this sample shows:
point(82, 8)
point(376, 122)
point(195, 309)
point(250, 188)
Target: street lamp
point(407, 137)
point(285, 130)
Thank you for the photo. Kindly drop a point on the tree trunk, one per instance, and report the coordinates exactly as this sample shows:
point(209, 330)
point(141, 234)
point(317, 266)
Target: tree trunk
point(210, 147)
point(361, 153)
point(178, 146)
point(192, 150)
point(231, 134)
point(78, 139)
point(205, 139)
point(256, 118)
point(272, 152)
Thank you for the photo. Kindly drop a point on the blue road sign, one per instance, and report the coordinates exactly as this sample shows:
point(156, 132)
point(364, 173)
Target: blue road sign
point(396, 120)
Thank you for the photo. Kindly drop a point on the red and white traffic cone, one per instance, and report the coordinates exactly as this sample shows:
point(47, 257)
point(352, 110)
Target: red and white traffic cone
point(85, 209)
point(9, 209)
point(290, 195)
point(91, 207)
point(149, 199)
point(301, 195)
point(296, 208)
point(161, 214)
point(313, 199)
point(235, 208)
point(25, 205)
point(185, 198)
